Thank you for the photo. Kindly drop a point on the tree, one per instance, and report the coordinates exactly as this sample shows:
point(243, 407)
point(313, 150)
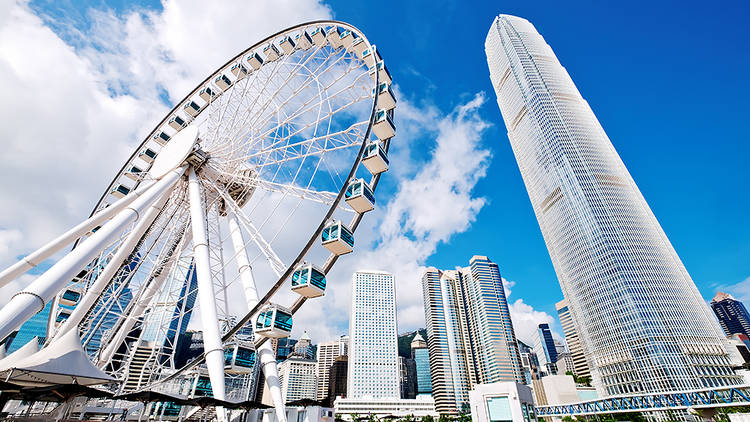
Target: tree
point(428, 418)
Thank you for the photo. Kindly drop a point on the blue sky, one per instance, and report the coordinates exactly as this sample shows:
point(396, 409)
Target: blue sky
point(667, 80)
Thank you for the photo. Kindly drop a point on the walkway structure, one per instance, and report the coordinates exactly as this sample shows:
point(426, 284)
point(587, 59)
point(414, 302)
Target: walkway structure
point(658, 402)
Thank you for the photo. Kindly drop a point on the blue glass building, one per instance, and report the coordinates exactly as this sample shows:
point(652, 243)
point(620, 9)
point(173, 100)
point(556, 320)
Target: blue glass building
point(36, 326)
point(421, 356)
point(732, 314)
point(545, 350)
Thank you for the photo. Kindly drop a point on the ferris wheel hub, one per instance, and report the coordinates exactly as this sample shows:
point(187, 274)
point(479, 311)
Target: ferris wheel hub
point(175, 152)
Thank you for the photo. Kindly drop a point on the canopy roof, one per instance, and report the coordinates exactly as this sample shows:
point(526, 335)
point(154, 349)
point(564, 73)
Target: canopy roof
point(25, 351)
point(62, 362)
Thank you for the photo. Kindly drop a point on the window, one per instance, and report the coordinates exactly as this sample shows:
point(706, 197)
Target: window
point(498, 409)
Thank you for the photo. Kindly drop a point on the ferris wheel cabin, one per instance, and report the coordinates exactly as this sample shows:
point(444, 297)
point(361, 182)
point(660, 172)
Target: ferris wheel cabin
point(346, 39)
point(255, 61)
point(177, 123)
point(337, 238)
point(239, 71)
point(303, 40)
point(371, 56)
point(161, 138)
point(334, 37)
point(70, 296)
point(192, 108)
point(386, 99)
point(359, 196)
point(375, 158)
point(134, 173)
point(207, 94)
point(319, 37)
point(287, 44)
point(271, 52)
point(120, 191)
point(308, 281)
point(147, 155)
point(274, 321)
point(223, 82)
point(383, 126)
point(382, 72)
point(358, 46)
point(239, 358)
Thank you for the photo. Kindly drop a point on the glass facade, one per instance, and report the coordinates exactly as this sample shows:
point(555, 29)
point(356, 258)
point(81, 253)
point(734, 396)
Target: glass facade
point(643, 324)
point(36, 326)
point(732, 314)
point(422, 360)
point(580, 366)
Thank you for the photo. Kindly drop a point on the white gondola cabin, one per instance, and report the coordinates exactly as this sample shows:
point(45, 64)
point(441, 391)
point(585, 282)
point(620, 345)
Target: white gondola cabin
point(239, 358)
point(62, 316)
point(161, 138)
point(303, 40)
point(358, 46)
point(120, 191)
point(319, 37)
point(274, 321)
point(255, 60)
point(192, 108)
point(308, 281)
point(271, 52)
point(134, 173)
point(239, 71)
point(337, 238)
point(71, 295)
point(383, 127)
point(382, 71)
point(177, 123)
point(359, 196)
point(371, 56)
point(207, 94)
point(347, 38)
point(334, 37)
point(386, 98)
point(147, 155)
point(287, 44)
point(223, 82)
point(375, 158)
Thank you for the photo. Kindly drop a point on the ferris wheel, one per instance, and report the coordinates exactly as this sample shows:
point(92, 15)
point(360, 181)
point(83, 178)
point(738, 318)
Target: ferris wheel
point(237, 205)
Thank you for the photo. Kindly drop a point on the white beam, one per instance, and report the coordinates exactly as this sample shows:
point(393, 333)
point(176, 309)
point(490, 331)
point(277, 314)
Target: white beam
point(266, 355)
point(35, 258)
point(213, 349)
point(24, 304)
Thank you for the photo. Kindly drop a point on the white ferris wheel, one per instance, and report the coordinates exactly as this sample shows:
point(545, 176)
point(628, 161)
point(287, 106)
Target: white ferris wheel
point(237, 204)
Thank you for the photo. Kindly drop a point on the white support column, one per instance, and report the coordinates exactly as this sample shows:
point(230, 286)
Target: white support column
point(24, 304)
point(36, 257)
point(213, 349)
point(115, 263)
point(266, 355)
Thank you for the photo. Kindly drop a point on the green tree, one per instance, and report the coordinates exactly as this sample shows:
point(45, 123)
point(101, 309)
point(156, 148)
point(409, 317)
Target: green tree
point(428, 418)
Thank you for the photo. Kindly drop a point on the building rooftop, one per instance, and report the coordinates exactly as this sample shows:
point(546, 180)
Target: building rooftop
point(721, 296)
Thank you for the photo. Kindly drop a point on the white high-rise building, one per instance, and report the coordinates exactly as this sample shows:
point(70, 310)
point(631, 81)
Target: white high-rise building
point(580, 367)
point(643, 325)
point(373, 349)
point(327, 354)
point(298, 378)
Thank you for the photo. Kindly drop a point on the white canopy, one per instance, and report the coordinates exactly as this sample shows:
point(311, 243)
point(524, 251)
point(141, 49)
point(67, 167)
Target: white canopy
point(25, 351)
point(62, 362)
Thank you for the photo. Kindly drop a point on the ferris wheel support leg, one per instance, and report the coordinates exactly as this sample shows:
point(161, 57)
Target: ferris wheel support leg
point(39, 255)
point(213, 349)
point(266, 355)
point(103, 280)
point(24, 304)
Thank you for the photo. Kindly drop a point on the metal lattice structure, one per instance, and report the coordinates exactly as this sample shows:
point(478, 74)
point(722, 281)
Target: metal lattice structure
point(279, 148)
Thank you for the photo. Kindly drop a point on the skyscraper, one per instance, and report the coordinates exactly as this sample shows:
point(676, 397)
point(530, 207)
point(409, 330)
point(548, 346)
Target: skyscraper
point(731, 313)
point(373, 351)
point(642, 322)
point(327, 354)
point(298, 378)
point(471, 335)
point(545, 349)
point(421, 356)
point(580, 366)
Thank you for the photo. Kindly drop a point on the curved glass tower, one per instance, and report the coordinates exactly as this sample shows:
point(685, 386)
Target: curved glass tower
point(643, 324)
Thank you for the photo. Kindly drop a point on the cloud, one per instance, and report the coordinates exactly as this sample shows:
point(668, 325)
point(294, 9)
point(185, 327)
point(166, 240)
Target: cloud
point(740, 290)
point(526, 319)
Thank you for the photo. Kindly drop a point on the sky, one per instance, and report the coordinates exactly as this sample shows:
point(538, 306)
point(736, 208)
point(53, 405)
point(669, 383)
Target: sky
point(84, 81)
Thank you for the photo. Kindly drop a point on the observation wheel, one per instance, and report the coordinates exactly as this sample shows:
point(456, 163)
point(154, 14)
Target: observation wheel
point(236, 206)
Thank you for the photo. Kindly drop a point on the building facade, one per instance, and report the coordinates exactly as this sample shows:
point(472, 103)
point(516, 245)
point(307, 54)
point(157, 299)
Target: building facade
point(580, 366)
point(731, 313)
point(642, 322)
point(373, 350)
point(545, 350)
point(421, 356)
point(298, 378)
point(327, 354)
point(471, 337)
point(337, 380)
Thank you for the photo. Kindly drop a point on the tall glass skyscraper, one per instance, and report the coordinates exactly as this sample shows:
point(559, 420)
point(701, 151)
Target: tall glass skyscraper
point(732, 314)
point(373, 348)
point(546, 352)
point(471, 335)
point(421, 356)
point(580, 367)
point(642, 322)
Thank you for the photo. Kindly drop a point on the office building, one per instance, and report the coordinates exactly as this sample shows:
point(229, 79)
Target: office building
point(36, 326)
point(580, 366)
point(529, 362)
point(471, 335)
point(421, 356)
point(545, 350)
point(327, 354)
point(304, 347)
point(373, 354)
point(298, 378)
point(407, 377)
point(337, 380)
point(731, 313)
point(620, 275)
